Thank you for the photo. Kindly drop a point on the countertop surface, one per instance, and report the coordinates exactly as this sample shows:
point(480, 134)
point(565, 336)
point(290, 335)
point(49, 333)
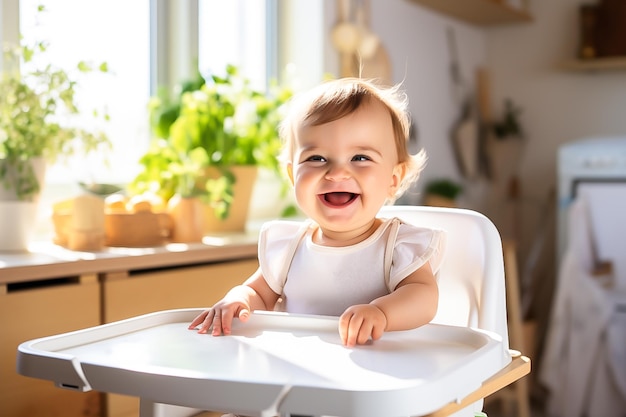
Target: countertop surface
point(46, 260)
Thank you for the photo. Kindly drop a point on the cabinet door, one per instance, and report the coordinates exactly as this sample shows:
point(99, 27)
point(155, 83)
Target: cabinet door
point(129, 295)
point(33, 310)
point(132, 294)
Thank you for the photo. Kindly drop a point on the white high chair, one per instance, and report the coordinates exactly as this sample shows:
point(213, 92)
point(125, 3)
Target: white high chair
point(289, 364)
point(472, 288)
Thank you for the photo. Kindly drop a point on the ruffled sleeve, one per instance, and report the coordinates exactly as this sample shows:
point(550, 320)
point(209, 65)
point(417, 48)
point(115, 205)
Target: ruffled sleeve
point(414, 247)
point(276, 247)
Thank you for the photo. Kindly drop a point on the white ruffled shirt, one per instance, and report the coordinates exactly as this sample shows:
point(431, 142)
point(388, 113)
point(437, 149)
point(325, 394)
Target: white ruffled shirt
point(315, 279)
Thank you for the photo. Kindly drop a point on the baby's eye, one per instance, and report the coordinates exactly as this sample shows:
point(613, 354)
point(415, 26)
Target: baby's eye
point(358, 158)
point(316, 158)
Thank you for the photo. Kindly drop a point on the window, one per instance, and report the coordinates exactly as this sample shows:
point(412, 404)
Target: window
point(116, 32)
point(234, 32)
point(153, 43)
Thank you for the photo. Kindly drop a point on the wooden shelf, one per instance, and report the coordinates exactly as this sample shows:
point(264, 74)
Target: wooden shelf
point(480, 12)
point(598, 64)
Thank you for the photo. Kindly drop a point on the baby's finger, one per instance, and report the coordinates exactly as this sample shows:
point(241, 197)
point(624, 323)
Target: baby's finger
point(217, 325)
point(226, 321)
point(199, 319)
point(207, 322)
point(344, 322)
point(378, 331)
point(354, 328)
point(364, 332)
point(244, 314)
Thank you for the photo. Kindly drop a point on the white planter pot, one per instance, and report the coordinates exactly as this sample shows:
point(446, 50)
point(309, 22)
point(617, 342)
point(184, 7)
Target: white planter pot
point(17, 223)
point(18, 218)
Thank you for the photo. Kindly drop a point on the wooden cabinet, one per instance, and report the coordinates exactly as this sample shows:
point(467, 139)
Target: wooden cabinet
point(481, 12)
point(37, 309)
point(52, 290)
point(127, 295)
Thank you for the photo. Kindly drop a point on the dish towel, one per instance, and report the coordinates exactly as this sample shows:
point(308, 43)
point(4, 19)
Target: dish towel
point(584, 363)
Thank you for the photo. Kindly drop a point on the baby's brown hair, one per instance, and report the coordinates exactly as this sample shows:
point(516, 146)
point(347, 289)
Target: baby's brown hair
point(338, 98)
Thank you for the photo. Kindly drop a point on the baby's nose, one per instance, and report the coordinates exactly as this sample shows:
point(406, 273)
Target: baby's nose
point(338, 172)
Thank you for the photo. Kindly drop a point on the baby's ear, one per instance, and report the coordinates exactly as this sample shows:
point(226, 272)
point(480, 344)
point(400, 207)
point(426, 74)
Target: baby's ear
point(397, 176)
point(289, 169)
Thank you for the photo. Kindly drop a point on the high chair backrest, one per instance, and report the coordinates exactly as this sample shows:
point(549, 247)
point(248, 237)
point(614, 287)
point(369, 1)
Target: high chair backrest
point(471, 279)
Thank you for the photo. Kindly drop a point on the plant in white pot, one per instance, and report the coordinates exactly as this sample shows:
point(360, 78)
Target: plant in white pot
point(37, 110)
point(209, 143)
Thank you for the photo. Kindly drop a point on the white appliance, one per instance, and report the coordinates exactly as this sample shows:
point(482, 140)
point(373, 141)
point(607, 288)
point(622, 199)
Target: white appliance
point(592, 160)
point(584, 358)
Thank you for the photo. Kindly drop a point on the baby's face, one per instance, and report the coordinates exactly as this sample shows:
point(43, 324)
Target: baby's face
point(343, 171)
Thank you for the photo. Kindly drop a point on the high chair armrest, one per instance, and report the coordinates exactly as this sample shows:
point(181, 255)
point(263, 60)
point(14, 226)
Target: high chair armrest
point(518, 368)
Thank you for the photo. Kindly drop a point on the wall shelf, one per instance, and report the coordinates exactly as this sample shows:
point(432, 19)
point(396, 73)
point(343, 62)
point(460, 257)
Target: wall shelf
point(597, 64)
point(480, 12)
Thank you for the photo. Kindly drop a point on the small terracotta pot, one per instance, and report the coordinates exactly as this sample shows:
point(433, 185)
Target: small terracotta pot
point(246, 176)
point(187, 216)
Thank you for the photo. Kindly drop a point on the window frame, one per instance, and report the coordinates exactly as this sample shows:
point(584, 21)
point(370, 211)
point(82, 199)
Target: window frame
point(173, 42)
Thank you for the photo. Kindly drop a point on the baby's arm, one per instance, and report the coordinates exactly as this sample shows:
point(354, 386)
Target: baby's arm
point(412, 304)
point(253, 294)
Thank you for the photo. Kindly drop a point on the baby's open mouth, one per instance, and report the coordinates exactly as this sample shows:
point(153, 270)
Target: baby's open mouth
point(339, 198)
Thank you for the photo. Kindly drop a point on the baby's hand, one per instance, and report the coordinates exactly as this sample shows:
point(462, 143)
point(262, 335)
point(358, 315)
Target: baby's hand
point(360, 322)
point(219, 318)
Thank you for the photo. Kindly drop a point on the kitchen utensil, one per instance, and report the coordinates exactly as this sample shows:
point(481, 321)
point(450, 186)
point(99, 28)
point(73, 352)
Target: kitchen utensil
point(465, 138)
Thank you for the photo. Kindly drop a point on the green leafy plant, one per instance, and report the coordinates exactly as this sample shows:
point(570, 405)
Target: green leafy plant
point(37, 108)
point(215, 122)
point(444, 188)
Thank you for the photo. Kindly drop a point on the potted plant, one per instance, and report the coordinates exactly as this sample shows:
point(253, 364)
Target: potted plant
point(210, 140)
point(442, 193)
point(36, 113)
point(509, 125)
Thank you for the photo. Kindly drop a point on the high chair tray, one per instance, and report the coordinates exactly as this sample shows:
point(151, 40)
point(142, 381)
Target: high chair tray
point(274, 363)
